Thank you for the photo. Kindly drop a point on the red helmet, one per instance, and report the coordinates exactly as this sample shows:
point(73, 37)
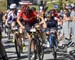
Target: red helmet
point(25, 5)
point(24, 8)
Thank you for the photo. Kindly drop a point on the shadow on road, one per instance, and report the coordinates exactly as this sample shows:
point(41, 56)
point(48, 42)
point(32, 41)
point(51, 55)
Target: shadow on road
point(9, 46)
point(22, 57)
point(64, 57)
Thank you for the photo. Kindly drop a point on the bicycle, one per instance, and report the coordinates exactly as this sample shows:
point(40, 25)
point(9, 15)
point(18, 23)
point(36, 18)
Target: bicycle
point(19, 42)
point(38, 50)
point(53, 42)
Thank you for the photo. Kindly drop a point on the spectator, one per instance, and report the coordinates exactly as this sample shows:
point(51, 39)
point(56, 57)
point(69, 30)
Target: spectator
point(2, 49)
point(67, 24)
point(73, 22)
point(1, 20)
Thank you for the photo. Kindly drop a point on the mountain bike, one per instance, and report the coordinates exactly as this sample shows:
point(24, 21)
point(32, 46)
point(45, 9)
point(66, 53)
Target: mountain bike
point(38, 50)
point(19, 43)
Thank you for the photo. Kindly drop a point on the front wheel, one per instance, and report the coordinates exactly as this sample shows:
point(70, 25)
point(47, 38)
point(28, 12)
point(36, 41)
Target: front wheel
point(18, 46)
point(40, 50)
point(32, 51)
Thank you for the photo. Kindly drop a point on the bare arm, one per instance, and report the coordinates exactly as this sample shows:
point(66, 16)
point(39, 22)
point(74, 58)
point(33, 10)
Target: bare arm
point(18, 21)
point(43, 22)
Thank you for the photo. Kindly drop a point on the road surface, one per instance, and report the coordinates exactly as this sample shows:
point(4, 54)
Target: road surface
point(11, 52)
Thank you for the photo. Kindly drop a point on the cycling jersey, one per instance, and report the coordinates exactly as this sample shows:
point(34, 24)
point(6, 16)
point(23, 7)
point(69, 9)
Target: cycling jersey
point(11, 17)
point(29, 18)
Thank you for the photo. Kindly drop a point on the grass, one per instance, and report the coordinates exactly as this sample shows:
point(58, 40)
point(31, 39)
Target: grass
point(3, 4)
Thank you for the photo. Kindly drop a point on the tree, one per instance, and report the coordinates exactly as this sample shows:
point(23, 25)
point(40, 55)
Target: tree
point(61, 4)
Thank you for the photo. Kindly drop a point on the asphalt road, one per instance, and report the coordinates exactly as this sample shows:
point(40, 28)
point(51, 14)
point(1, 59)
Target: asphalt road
point(11, 52)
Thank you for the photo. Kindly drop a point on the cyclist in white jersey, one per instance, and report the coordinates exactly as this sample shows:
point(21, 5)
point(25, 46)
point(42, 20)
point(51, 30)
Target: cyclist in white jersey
point(11, 17)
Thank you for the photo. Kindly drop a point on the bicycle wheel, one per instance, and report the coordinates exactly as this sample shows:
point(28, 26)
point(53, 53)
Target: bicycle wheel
point(40, 50)
point(32, 51)
point(18, 45)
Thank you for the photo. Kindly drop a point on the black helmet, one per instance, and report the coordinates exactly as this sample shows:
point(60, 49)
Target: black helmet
point(33, 8)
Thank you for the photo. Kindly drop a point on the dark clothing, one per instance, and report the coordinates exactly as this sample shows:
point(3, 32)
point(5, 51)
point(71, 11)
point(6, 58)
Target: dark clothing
point(1, 20)
point(68, 14)
point(2, 49)
point(29, 25)
point(51, 23)
point(1, 15)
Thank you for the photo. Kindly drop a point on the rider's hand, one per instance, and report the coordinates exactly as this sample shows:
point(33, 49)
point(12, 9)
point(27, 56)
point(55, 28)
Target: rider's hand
point(22, 27)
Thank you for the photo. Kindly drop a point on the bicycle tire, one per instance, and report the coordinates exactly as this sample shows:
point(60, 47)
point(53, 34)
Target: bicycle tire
point(40, 50)
point(17, 47)
point(30, 52)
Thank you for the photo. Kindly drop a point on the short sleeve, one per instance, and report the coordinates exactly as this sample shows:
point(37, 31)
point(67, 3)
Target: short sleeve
point(72, 14)
point(35, 13)
point(20, 14)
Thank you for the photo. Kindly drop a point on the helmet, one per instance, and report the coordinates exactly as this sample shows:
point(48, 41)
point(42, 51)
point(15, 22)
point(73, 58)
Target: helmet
point(24, 8)
point(12, 6)
point(33, 8)
point(25, 3)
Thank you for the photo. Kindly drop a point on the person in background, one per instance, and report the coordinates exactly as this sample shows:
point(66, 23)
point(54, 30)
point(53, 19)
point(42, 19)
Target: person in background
point(66, 25)
point(1, 20)
point(2, 48)
point(73, 23)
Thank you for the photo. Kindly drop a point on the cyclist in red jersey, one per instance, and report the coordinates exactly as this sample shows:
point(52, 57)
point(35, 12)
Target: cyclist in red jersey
point(29, 17)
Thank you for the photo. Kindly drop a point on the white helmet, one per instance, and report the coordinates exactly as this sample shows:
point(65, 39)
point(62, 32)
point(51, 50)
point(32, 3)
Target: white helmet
point(12, 6)
point(25, 3)
point(72, 5)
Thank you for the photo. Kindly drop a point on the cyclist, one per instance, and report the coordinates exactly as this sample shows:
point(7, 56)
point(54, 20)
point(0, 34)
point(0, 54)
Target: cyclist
point(52, 23)
point(11, 17)
point(29, 17)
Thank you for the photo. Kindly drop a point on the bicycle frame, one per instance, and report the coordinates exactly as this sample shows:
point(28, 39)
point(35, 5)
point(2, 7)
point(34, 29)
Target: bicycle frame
point(38, 49)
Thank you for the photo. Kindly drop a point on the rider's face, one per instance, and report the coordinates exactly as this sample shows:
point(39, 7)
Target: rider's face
point(13, 10)
point(23, 8)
